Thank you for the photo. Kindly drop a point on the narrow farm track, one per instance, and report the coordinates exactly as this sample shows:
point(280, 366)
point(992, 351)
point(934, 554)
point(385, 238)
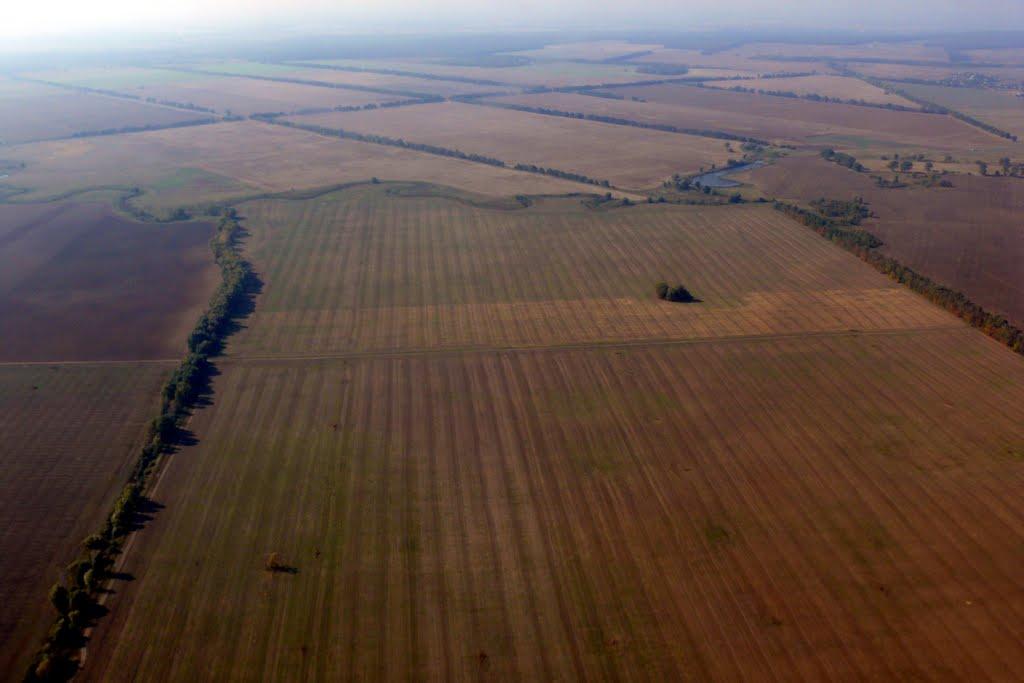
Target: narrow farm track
point(488, 454)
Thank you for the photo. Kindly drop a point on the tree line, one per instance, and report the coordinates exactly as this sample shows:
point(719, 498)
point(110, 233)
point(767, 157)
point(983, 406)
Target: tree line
point(440, 151)
point(843, 159)
point(815, 97)
point(75, 598)
point(933, 108)
point(665, 128)
point(267, 116)
point(425, 97)
point(865, 245)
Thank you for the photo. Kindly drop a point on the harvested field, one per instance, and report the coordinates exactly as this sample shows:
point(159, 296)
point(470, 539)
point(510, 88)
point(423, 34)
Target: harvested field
point(30, 112)
point(353, 273)
point(968, 237)
point(727, 59)
point(834, 87)
point(365, 79)
point(224, 94)
point(68, 438)
point(905, 51)
point(551, 75)
point(628, 157)
point(231, 160)
point(773, 118)
point(82, 283)
point(797, 505)
point(1004, 110)
point(594, 50)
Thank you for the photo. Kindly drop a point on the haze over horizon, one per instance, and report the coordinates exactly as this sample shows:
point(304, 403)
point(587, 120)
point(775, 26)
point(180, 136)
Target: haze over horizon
point(27, 22)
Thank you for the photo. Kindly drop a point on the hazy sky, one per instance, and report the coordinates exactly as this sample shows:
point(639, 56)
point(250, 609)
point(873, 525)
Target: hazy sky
point(28, 18)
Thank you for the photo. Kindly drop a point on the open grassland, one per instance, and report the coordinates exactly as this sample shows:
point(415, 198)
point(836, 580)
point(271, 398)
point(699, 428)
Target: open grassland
point(809, 502)
point(82, 283)
point(68, 433)
point(357, 272)
point(778, 119)
point(550, 74)
point(999, 108)
point(30, 112)
point(968, 237)
point(223, 94)
point(592, 50)
point(825, 85)
point(360, 79)
point(628, 157)
point(223, 161)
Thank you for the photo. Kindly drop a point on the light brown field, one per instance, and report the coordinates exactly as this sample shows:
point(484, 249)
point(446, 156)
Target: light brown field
point(30, 112)
point(551, 74)
point(68, 436)
point(728, 59)
point(404, 84)
point(968, 237)
point(240, 96)
point(773, 118)
point(908, 51)
point(628, 157)
point(230, 160)
point(798, 504)
point(836, 87)
point(591, 50)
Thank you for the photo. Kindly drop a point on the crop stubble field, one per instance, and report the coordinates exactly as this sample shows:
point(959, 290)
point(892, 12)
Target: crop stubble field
point(760, 494)
point(628, 157)
point(228, 161)
point(772, 118)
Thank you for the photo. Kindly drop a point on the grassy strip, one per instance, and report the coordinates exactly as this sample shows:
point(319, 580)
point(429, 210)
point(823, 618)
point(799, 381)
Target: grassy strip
point(663, 127)
point(865, 245)
point(75, 599)
point(440, 151)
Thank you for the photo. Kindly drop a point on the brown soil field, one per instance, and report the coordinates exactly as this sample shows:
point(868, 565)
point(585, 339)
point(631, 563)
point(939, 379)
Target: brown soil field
point(428, 290)
point(240, 96)
point(799, 505)
point(628, 157)
point(968, 237)
point(836, 87)
point(30, 112)
point(779, 119)
point(231, 160)
point(551, 74)
point(68, 437)
point(82, 283)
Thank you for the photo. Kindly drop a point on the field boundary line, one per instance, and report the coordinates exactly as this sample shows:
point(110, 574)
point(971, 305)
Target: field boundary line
point(130, 361)
point(592, 345)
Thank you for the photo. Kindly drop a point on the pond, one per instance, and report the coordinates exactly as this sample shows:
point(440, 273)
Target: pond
point(720, 178)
